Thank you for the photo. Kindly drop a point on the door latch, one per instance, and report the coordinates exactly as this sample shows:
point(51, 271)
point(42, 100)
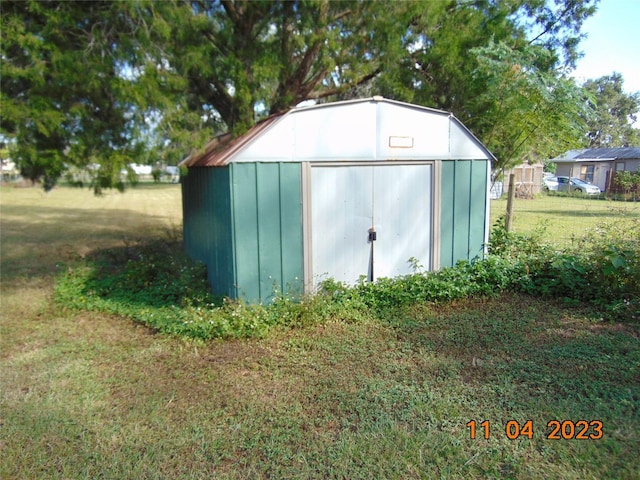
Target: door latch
point(373, 235)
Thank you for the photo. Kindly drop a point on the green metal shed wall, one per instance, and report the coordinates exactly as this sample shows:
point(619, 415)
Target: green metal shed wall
point(464, 210)
point(267, 228)
point(244, 221)
point(206, 203)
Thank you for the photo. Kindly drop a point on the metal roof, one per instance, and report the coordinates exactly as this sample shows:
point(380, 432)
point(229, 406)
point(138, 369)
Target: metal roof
point(598, 154)
point(219, 151)
point(225, 149)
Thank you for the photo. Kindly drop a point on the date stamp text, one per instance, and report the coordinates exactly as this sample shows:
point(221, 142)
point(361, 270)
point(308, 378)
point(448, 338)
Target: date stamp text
point(556, 429)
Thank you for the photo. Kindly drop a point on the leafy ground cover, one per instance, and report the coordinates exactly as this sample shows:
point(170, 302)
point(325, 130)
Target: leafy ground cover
point(376, 389)
point(154, 283)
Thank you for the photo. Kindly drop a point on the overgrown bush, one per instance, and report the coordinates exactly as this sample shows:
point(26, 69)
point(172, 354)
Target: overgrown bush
point(478, 278)
point(602, 269)
point(158, 285)
point(155, 274)
point(610, 258)
point(628, 182)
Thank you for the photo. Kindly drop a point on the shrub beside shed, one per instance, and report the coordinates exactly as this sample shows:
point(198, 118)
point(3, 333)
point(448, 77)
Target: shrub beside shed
point(364, 188)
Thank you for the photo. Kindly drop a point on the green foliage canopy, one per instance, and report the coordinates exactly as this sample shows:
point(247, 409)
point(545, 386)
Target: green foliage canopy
point(244, 60)
point(68, 96)
point(528, 113)
point(615, 113)
point(500, 68)
point(99, 82)
point(233, 63)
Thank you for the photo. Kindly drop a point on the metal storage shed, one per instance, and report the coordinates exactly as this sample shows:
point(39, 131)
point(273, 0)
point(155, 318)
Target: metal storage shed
point(343, 190)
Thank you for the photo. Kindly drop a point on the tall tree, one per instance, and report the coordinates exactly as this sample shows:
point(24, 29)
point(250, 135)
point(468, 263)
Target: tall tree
point(447, 66)
point(192, 68)
point(67, 97)
point(437, 69)
point(242, 60)
point(615, 113)
point(529, 113)
point(238, 61)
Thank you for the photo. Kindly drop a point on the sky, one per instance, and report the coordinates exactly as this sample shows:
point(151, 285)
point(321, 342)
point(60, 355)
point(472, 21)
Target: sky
point(612, 43)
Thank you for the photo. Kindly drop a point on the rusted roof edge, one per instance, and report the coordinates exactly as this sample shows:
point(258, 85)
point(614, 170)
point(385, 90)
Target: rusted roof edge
point(218, 152)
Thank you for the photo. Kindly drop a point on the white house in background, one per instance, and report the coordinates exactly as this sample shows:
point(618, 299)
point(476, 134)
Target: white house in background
point(9, 170)
point(598, 166)
point(141, 169)
point(8, 166)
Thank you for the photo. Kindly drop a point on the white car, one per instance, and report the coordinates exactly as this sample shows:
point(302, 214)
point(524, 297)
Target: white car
point(550, 182)
point(576, 185)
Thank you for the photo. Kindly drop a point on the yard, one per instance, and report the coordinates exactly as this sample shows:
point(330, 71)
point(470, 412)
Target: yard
point(564, 218)
point(90, 395)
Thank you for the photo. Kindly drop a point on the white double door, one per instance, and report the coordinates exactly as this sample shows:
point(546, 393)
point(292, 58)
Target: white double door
point(370, 220)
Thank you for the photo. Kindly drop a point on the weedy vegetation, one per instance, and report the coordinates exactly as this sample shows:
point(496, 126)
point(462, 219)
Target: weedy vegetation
point(159, 286)
point(116, 362)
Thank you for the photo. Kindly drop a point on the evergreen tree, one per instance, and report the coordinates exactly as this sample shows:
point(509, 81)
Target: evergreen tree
point(88, 83)
point(235, 62)
point(68, 95)
point(615, 114)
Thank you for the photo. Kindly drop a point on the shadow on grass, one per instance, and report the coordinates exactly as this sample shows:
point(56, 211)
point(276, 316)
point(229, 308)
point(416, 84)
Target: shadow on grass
point(539, 352)
point(583, 213)
point(38, 241)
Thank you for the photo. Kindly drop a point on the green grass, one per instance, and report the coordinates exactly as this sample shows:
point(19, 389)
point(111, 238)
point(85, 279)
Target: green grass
point(42, 230)
point(90, 395)
point(565, 218)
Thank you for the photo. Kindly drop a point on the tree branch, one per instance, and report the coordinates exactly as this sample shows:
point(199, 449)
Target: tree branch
point(335, 91)
point(232, 11)
point(552, 24)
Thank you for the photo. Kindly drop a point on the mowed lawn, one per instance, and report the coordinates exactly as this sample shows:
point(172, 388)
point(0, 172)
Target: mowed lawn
point(564, 218)
point(86, 395)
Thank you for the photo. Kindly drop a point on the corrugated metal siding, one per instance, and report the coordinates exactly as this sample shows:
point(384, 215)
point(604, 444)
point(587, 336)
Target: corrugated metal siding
point(267, 229)
point(478, 208)
point(243, 217)
point(463, 216)
point(207, 216)
point(291, 229)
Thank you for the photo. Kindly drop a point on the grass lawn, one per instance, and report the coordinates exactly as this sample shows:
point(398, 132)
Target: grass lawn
point(85, 395)
point(565, 218)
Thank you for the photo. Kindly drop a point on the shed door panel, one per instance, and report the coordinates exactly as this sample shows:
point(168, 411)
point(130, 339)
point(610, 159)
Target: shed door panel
point(341, 202)
point(348, 201)
point(401, 218)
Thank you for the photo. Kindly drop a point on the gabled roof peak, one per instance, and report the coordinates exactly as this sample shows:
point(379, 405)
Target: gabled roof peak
point(367, 129)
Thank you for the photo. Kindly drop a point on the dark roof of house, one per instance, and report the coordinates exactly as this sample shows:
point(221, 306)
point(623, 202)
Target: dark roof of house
point(599, 154)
